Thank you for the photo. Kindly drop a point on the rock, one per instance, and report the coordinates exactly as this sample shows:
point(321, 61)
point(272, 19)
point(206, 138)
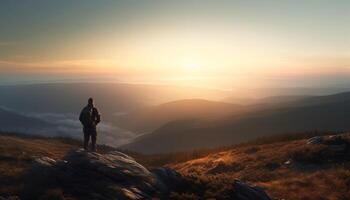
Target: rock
point(39, 176)
point(324, 150)
point(288, 162)
point(167, 177)
point(243, 191)
point(88, 175)
point(113, 176)
point(335, 144)
point(328, 140)
point(315, 140)
point(45, 161)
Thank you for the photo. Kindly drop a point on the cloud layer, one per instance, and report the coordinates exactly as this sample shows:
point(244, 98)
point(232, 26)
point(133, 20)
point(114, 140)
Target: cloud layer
point(68, 125)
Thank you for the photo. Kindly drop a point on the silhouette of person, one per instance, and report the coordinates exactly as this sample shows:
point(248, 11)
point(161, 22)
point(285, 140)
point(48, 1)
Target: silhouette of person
point(90, 117)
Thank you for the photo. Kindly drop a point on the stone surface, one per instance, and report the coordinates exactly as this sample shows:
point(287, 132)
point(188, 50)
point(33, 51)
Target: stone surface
point(243, 191)
point(97, 176)
point(113, 176)
point(336, 144)
point(167, 179)
point(315, 140)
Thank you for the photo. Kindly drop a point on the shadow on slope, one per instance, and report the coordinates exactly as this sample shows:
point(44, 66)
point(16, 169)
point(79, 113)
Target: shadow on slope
point(324, 117)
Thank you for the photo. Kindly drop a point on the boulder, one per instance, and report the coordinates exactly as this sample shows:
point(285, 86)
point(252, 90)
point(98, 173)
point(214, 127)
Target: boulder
point(89, 175)
point(112, 176)
point(328, 140)
point(167, 179)
point(315, 140)
point(335, 144)
point(243, 191)
point(323, 150)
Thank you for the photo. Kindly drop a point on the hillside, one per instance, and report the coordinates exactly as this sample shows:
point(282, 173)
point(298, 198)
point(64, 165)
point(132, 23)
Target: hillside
point(325, 113)
point(59, 104)
point(17, 153)
point(12, 121)
point(301, 169)
point(150, 118)
point(43, 168)
point(287, 167)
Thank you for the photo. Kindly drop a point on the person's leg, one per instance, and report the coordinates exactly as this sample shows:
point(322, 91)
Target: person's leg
point(86, 139)
point(93, 140)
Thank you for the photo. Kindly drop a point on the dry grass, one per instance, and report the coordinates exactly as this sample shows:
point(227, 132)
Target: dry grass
point(17, 154)
point(313, 177)
point(157, 160)
point(210, 173)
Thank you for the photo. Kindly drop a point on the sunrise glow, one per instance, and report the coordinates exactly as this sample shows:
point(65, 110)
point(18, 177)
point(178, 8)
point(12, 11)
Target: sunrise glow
point(215, 43)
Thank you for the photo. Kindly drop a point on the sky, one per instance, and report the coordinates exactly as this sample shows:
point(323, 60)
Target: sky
point(206, 43)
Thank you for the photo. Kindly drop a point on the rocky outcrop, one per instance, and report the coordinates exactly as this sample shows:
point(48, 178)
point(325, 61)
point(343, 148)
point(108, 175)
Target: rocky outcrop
point(315, 140)
point(111, 176)
point(337, 145)
point(243, 191)
point(320, 152)
point(88, 175)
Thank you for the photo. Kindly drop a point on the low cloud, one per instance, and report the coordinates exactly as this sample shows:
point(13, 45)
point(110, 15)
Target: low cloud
point(68, 125)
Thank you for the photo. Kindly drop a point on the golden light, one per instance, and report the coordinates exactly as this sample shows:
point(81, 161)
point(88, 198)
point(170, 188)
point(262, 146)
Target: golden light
point(192, 66)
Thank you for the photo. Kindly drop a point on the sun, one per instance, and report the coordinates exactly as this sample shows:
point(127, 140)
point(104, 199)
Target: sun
point(192, 66)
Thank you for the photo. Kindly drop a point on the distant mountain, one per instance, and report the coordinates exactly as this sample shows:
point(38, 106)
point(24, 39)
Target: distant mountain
point(276, 100)
point(319, 100)
point(151, 118)
point(317, 113)
point(252, 94)
point(59, 104)
point(111, 98)
point(12, 121)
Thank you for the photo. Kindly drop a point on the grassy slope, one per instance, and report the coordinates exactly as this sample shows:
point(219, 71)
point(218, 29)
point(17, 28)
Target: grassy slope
point(260, 162)
point(265, 166)
point(17, 153)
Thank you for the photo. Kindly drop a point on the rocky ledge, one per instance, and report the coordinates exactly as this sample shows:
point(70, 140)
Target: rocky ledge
point(88, 175)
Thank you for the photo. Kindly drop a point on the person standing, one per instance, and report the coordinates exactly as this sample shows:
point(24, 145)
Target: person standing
point(89, 118)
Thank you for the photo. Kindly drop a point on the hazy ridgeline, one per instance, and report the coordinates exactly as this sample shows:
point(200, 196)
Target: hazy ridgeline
point(161, 113)
point(53, 109)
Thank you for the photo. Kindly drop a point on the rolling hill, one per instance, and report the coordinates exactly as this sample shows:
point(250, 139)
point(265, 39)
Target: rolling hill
point(329, 113)
point(150, 118)
point(12, 121)
point(61, 103)
point(111, 98)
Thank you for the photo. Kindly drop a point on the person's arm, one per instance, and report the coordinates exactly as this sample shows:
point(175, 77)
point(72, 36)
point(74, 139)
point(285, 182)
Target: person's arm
point(98, 116)
point(81, 116)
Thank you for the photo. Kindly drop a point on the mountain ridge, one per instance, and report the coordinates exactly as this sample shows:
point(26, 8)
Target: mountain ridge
point(329, 113)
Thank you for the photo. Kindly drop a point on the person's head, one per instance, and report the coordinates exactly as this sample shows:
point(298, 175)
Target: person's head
point(91, 101)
